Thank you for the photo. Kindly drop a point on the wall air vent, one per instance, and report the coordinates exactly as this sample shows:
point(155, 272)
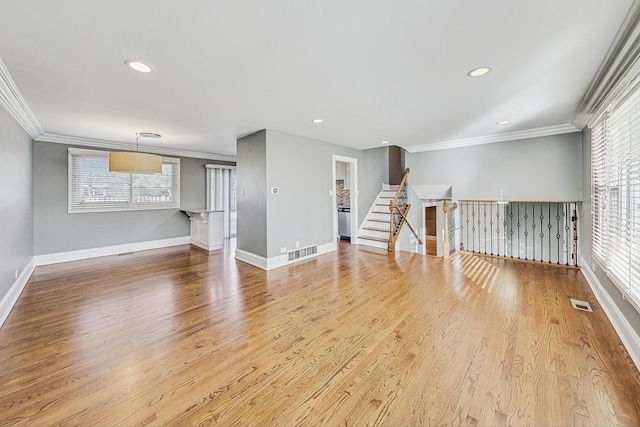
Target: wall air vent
point(302, 253)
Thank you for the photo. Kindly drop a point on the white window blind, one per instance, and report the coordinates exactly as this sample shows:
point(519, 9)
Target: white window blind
point(615, 180)
point(92, 188)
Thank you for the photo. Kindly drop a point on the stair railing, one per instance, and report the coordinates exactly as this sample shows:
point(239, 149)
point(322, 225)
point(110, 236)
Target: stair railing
point(399, 208)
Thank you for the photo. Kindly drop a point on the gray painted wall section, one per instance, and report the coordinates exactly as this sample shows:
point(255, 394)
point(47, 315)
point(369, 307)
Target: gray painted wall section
point(547, 168)
point(56, 231)
point(193, 175)
point(251, 155)
point(585, 241)
point(16, 203)
point(303, 209)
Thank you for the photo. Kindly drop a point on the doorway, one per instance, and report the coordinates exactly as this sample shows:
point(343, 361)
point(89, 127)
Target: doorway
point(430, 225)
point(345, 198)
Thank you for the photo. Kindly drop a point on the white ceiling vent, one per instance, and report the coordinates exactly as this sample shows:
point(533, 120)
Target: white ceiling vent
point(581, 305)
point(302, 253)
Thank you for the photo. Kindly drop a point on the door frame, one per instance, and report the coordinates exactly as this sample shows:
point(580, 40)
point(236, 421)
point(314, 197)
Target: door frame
point(439, 205)
point(353, 198)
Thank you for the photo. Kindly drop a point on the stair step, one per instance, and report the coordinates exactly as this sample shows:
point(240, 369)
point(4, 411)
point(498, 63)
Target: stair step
point(375, 239)
point(379, 220)
point(382, 230)
point(381, 212)
point(382, 204)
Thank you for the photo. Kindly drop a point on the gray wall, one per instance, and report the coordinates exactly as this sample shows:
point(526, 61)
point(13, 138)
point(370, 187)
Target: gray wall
point(16, 203)
point(546, 168)
point(585, 242)
point(251, 155)
point(538, 169)
point(193, 190)
point(55, 230)
point(303, 210)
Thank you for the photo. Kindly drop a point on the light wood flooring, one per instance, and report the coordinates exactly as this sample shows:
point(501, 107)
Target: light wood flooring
point(179, 336)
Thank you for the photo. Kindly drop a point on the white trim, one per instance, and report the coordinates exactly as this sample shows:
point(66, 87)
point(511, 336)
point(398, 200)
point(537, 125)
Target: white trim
point(11, 99)
point(280, 260)
point(489, 139)
point(251, 258)
point(111, 145)
point(11, 297)
point(618, 68)
point(626, 333)
point(109, 250)
point(214, 166)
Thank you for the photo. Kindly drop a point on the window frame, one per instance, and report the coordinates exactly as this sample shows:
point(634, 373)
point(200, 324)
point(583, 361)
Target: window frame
point(615, 192)
point(124, 206)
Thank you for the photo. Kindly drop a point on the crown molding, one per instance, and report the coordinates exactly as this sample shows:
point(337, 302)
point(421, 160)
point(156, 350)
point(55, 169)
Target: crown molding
point(14, 103)
point(616, 70)
point(112, 145)
point(489, 139)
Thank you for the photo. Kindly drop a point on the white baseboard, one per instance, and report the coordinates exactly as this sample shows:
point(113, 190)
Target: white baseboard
point(109, 250)
point(280, 260)
point(626, 333)
point(251, 258)
point(11, 297)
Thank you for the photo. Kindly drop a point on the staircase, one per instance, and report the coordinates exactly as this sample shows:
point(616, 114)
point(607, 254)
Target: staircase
point(375, 230)
point(386, 217)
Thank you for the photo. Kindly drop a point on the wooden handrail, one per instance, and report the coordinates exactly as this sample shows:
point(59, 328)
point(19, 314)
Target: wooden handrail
point(393, 230)
point(404, 178)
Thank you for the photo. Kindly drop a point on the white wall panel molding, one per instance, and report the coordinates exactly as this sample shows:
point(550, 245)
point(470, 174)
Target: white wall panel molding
point(109, 250)
point(111, 145)
point(626, 333)
point(15, 104)
point(489, 139)
point(11, 297)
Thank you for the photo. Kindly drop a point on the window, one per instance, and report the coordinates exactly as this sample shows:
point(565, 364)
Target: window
point(615, 181)
point(92, 188)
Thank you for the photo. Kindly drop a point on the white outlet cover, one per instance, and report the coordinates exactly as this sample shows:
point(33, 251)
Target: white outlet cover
point(297, 245)
point(283, 250)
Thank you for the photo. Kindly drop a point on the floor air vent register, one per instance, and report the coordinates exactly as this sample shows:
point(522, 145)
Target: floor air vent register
point(302, 253)
point(581, 305)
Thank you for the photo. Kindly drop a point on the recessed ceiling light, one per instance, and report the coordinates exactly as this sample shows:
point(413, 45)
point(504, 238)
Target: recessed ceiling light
point(317, 120)
point(138, 66)
point(503, 122)
point(384, 142)
point(480, 71)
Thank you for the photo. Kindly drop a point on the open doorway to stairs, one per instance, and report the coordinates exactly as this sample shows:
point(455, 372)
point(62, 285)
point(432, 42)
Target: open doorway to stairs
point(433, 226)
point(345, 198)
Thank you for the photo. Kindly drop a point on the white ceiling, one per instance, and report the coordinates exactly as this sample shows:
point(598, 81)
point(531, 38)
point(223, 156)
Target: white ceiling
point(373, 70)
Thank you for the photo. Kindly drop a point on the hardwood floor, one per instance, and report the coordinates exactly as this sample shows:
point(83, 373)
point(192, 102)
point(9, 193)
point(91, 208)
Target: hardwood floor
point(361, 337)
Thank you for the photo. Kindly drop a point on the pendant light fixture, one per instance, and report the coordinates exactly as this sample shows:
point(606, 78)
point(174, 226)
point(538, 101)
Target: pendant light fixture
point(136, 162)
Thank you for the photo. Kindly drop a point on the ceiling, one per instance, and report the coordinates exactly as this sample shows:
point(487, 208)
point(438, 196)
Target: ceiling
point(372, 70)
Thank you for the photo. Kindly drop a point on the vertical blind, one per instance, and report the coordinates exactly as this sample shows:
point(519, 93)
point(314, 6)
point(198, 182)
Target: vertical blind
point(615, 180)
point(92, 188)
